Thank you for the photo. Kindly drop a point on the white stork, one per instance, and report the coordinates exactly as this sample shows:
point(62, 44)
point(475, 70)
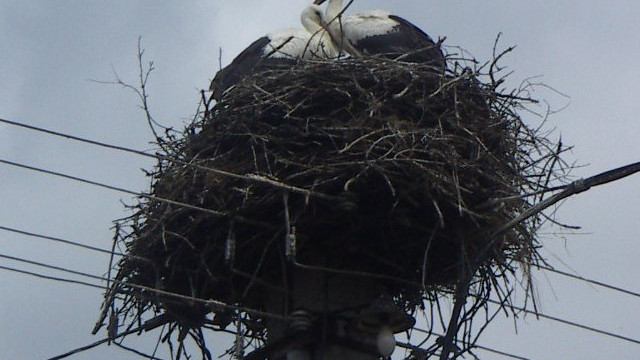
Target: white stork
point(285, 46)
point(378, 32)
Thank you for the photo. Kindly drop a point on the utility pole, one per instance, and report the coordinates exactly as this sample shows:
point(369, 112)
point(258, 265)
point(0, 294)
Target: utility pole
point(333, 316)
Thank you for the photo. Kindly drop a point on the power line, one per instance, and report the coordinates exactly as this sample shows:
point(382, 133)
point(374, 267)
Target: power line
point(89, 247)
point(248, 177)
point(481, 347)
point(213, 304)
point(99, 342)
point(48, 266)
point(563, 321)
point(591, 281)
point(548, 317)
point(49, 277)
point(55, 278)
point(260, 313)
point(221, 172)
point(71, 243)
point(109, 252)
point(77, 138)
point(500, 352)
point(585, 327)
point(570, 323)
point(111, 187)
point(62, 241)
point(102, 287)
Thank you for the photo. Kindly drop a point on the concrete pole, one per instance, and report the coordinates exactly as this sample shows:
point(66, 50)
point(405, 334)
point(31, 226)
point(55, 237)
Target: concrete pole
point(322, 293)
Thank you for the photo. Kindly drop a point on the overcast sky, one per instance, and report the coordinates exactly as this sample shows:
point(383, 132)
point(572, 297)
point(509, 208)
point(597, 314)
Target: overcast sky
point(49, 51)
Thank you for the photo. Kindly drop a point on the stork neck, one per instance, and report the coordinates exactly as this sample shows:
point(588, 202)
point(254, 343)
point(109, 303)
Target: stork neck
point(333, 9)
point(311, 26)
point(309, 19)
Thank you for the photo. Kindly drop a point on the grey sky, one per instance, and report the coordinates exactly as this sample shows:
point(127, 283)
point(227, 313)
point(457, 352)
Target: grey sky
point(49, 49)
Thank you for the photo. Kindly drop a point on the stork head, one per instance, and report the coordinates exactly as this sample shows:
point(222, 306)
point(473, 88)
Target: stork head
point(312, 18)
point(322, 44)
point(334, 9)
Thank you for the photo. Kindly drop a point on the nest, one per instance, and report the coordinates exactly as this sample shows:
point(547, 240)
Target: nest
point(372, 167)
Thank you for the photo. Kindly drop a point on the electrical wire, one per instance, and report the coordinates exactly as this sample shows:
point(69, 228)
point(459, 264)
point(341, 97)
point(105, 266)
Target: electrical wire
point(109, 252)
point(84, 283)
point(500, 352)
point(545, 316)
point(111, 187)
point(97, 343)
point(591, 281)
point(481, 347)
point(541, 315)
point(49, 266)
point(62, 241)
point(214, 304)
point(71, 243)
point(570, 323)
point(226, 173)
point(249, 177)
point(223, 305)
point(49, 277)
point(221, 172)
point(216, 213)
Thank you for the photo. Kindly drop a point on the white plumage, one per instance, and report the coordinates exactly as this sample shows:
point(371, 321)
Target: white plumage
point(363, 25)
point(378, 32)
point(277, 48)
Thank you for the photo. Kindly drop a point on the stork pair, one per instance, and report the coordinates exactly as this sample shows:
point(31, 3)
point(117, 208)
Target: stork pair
point(329, 35)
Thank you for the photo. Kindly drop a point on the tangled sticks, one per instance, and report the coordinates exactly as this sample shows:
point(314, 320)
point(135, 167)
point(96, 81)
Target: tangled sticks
point(368, 167)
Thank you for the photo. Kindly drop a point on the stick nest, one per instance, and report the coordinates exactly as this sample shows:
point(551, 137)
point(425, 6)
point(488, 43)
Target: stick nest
point(363, 166)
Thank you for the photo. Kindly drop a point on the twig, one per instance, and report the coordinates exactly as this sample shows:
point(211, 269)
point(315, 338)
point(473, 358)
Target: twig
point(573, 188)
point(576, 187)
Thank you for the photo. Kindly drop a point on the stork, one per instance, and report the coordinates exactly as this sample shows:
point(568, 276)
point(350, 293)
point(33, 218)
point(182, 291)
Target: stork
point(278, 48)
point(378, 32)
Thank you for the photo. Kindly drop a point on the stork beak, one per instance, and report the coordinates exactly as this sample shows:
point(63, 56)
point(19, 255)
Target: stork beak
point(319, 2)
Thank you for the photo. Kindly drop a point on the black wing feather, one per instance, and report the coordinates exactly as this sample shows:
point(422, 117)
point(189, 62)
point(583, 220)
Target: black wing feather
point(250, 60)
point(406, 41)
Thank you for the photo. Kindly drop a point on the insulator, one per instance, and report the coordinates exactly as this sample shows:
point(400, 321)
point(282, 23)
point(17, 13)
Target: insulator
point(301, 320)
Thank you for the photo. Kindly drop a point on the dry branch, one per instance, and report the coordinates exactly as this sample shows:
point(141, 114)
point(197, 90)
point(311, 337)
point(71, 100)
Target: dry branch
point(387, 170)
